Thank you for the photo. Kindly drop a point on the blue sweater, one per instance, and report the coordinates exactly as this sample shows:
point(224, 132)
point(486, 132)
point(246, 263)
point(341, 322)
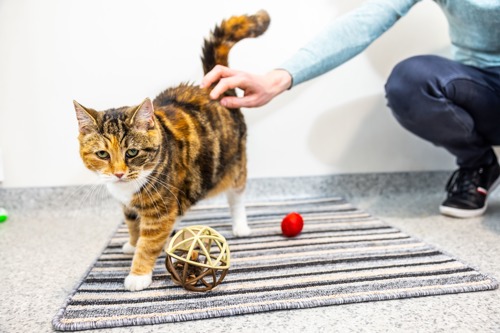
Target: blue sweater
point(474, 27)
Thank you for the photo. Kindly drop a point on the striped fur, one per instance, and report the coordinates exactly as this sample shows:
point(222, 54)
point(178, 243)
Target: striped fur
point(162, 156)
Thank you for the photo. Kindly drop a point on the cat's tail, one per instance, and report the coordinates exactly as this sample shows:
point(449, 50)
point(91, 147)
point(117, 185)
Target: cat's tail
point(228, 33)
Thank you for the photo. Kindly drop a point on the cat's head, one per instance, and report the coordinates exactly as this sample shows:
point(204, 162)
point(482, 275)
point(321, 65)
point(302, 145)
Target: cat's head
point(120, 145)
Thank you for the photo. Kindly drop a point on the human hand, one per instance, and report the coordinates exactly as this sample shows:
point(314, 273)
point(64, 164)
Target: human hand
point(258, 89)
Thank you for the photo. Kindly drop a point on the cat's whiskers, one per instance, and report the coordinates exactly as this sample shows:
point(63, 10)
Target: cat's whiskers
point(159, 193)
point(88, 199)
point(138, 193)
point(172, 186)
point(75, 193)
point(166, 185)
point(150, 197)
point(96, 197)
point(102, 193)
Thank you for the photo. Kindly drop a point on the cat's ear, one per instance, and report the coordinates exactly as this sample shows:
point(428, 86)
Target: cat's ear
point(143, 116)
point(87, 122)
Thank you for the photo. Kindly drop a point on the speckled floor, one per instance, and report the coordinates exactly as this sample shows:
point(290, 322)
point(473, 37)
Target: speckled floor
point(54, 234)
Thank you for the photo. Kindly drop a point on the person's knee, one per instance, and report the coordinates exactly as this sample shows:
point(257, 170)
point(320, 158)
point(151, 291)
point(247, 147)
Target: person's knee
point(405, 86)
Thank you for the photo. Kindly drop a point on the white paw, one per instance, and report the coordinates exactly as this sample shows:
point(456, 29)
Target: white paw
point(241, 230)
point(138, 282)
point(128, 248)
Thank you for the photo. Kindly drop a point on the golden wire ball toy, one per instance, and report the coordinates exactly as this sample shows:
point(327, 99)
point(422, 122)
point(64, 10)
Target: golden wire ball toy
point(198, 258)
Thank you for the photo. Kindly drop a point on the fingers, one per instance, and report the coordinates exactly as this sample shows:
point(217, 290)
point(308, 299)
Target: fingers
point(226, 78)
point(238, 102)
point(217, 73)
point(226, 84)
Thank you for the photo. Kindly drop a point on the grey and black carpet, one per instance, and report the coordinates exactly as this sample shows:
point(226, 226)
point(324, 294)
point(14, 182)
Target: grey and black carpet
point(343, 255)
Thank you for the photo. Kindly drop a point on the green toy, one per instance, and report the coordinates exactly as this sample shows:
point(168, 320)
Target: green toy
point(3, 215)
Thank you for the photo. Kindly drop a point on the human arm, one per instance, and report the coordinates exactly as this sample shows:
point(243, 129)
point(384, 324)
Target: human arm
point(340, 41)
point(345, 38)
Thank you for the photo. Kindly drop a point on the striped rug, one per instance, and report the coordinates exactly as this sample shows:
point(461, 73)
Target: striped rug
point(343, 255)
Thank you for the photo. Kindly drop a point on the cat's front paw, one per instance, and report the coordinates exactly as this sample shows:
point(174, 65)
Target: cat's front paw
point(138, 282)
point(128, 248)
point(241, 230)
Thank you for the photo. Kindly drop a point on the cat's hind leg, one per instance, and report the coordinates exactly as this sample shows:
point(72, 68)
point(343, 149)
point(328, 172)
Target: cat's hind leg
point(235, 199)
point(236, 195)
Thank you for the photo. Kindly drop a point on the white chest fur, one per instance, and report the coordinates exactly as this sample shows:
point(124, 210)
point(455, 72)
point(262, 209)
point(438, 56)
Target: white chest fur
point(122, 191)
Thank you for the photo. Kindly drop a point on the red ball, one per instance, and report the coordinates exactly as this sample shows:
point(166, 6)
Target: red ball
point(292, 224)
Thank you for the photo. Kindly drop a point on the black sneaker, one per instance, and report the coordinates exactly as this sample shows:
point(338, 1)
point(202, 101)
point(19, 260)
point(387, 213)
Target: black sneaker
point(468, 190)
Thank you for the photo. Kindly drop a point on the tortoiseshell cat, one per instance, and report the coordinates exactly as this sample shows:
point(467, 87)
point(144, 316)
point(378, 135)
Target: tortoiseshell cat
point(161, 157)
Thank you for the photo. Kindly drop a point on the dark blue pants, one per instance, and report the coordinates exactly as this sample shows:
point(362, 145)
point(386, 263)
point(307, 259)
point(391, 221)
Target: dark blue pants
point(449, 104)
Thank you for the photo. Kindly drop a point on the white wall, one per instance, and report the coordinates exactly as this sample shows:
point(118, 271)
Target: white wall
point(117, 52)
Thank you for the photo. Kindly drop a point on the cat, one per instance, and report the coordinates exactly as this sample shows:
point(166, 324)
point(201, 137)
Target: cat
point(162, 156)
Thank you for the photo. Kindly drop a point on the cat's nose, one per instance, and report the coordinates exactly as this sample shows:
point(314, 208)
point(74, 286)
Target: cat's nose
point(119, 175)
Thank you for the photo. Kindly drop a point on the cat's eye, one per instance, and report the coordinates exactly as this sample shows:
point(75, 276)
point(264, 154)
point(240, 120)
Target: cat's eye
point(102, 154)
point(132, 153)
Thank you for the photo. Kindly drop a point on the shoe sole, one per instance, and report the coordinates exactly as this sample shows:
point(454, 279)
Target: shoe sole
point(468, 213)
point(462, 213)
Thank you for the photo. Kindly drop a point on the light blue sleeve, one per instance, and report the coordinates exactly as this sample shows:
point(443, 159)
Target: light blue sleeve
point(345, 38)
